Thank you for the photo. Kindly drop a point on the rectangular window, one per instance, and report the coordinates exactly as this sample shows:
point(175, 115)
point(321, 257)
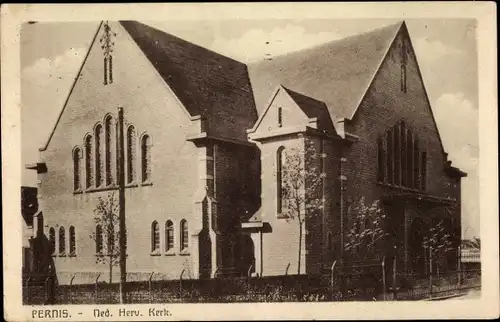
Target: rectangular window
point(416, 164)
point(390, 157)
point(397, 157)
point(381, 161)
point(280, 117)
point(409, 160)
point(423, 171)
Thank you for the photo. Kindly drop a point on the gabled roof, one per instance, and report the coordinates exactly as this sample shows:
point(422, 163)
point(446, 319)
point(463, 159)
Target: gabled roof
point(337, 73)
point(203, 80)
point(312, 108)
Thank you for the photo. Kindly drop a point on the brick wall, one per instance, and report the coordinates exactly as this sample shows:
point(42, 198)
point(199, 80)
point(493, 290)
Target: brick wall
point(383, 106)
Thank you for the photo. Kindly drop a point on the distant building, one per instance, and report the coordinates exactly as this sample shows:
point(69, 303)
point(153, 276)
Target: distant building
point(204, 141)
point(29, 207)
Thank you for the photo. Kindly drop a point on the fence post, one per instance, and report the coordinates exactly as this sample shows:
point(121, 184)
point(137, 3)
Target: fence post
point(459, 268)
point(71, 289)
point(383, 279)
point(180, 282)
point(394, 279)
point(332, 270)
point(28, 290)
point(97, 289)
point(150, 287)
point(286, 269)
point(46, 289)
point(430, 271)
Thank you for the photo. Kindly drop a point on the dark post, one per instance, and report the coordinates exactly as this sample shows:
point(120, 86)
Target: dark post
point(121, 198)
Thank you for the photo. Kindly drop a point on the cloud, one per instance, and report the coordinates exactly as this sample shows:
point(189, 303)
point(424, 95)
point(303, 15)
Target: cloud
point(45, 85)
point(257, 44)
point(457, 119)
point(432, 50)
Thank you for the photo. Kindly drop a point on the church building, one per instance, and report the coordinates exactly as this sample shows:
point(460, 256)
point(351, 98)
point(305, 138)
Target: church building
point(206, 144)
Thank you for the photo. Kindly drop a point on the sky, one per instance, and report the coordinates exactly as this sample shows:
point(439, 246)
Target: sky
point(51, 54)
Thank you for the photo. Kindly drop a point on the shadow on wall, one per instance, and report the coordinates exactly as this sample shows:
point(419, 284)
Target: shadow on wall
point(43, 262)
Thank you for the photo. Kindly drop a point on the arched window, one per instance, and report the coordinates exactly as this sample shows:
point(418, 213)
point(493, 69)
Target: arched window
point(77, 157)
point(405, 164)
point(184, 235)
point(98, 239)
point(169, 235)
point(52, 239)
point(62, 241)
point(99, 172)
point(146, 158)
point(72, 241)
point(89, 169)
point(279, 179)
point(155, 236)
point(131, 144)
point(110, 150)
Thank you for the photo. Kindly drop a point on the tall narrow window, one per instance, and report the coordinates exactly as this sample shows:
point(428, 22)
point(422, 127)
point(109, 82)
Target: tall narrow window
point(409, 159)
point(155, 236)
point(98, 239)
point(390, 156)
point(397, 156)
point(184, 234)
point(99, 173)
point(72, 241)
point(404, 177)
point(381, 161)
point(77, 157)
point(131, 145)
point(403, 78)
point(404, 60)
point(416, 164)
point(52, 239)
point(279, 179)
point(110, 155)
point(423, 171)
point(62, 241)
point(169, 235)
point(146, 158)
point(280, 116)
point(89, 169)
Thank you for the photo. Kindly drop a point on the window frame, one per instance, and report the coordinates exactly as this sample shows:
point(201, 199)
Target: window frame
point(155, 238)
point(184, 236)
point(169, 237)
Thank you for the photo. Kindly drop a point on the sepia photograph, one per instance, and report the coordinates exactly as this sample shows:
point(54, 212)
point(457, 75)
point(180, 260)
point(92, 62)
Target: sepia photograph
point(243, 160)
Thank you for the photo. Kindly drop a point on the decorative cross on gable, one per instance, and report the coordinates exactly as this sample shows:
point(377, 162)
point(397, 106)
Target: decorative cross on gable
point(107, 45)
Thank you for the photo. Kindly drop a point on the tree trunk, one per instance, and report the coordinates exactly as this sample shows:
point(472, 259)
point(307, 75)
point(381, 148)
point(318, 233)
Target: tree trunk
point(300, 246)
point(110, 269)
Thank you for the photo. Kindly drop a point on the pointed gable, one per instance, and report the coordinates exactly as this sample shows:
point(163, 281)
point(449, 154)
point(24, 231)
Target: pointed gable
point(337, 73)
point(313, 109)
point(203, 80)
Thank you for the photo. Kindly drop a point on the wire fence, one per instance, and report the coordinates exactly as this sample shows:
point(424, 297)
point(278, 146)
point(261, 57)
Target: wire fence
point(375, 280)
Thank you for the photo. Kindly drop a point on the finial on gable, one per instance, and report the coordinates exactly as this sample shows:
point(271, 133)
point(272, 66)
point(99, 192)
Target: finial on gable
point(107, 45)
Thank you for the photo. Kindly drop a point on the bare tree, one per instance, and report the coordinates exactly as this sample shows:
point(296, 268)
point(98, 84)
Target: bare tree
point(106, 216)
point(366, 231)
point(301, 183)
point(438, 242)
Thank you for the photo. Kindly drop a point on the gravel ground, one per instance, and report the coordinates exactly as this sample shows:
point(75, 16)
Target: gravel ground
point(472, 294)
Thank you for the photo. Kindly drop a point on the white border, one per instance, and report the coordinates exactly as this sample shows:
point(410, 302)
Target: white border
point(486, 307)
